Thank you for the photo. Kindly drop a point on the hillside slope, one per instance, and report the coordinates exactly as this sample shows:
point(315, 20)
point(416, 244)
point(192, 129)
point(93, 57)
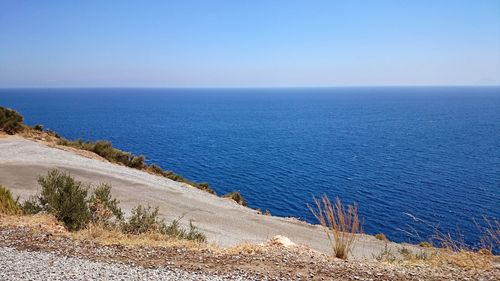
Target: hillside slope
point(223, 221)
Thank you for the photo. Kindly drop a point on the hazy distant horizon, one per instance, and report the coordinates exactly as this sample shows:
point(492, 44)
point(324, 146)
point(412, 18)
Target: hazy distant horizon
point(248, 87)
point(263, 44)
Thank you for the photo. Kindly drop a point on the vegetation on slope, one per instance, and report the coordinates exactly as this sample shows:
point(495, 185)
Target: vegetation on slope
point(69, 202)
point(341, 225)
point(11, 122)
point(236, 196)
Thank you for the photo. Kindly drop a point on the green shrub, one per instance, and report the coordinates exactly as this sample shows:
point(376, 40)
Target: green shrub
point(178, 178)
point(155, 169)
point(175, 177)
point(175, 230)
point(8, 205)
point(38, 127)
point(237, 197)
point(10, 121)
point(65, 198)
point(142, 220)
point(145, 220)
point(104, 149)
point(137, 162)
point(202, 186)
point(32, 206)
point(104, 209)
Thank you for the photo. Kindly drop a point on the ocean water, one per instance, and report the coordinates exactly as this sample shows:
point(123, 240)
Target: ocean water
point(411, 158)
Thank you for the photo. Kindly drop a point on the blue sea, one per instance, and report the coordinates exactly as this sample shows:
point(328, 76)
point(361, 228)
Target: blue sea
point(411, 158)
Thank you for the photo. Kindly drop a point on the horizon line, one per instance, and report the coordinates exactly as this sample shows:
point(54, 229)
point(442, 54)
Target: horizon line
point(253, 87)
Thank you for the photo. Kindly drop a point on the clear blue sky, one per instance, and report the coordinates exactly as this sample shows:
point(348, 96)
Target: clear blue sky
point(249, 43)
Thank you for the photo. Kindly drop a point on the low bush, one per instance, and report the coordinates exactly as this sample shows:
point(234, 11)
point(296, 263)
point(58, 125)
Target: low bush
point(381, 237)
point(236, 196)
point(8, 205)
point(175, 177)
point(155, 169)
point(106, 150)
point(31, 206)
point(136, 162)
point(11, 121)
point(65, 198)
point(104, 209)
point(38, 127)
point(145, 220)
point(142, 220)
point(175, 230)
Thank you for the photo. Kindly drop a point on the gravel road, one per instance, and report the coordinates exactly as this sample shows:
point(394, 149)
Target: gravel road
point(23, 265)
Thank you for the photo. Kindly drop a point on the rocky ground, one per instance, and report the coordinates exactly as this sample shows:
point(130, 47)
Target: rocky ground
point(28, 265)
point(36, 253)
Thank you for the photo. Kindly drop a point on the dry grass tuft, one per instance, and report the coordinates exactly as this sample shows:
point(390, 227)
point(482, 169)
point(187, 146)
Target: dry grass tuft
point(340, 224)
point(490, 238)
point(8, 205)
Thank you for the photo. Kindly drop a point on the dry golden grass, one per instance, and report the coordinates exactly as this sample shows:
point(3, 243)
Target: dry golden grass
point(425, 244)
point(340, 224)
point(42, 222)
point(244, 248)
point(438, 257)
point(49, 224)
point(8, 205)
point(114, 236)
point(464, 259)
point(490, 238)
